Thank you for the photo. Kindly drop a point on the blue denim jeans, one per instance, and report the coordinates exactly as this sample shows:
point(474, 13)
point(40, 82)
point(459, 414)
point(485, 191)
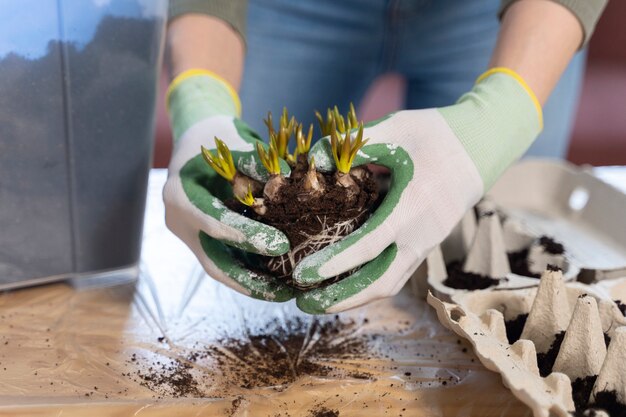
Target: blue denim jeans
point(313, 54)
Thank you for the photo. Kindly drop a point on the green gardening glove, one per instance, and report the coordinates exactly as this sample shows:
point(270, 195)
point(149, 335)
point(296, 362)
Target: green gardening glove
point(442, 161)
point(202, 106)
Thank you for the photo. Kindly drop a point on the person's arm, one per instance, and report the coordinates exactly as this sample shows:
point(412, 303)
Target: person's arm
point(539, 37)
point(537, 40)
point(444, 159)
point(198, 41)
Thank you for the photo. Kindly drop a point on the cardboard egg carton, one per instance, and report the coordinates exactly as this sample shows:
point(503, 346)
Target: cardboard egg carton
point(544, 334)
point(482, 245)
point(536, 198)
point(563, 341)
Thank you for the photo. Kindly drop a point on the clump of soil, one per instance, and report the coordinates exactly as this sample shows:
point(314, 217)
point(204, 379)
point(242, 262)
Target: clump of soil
point(271, 357)
point(607, 401)
point(518, 262)
point(171, 378)
point(551, 246)
point(310, 227)
point(279, 357)
point(581, 390)
point(515, 327)
point(461, 280)
point(323, 412)
point(545, 360)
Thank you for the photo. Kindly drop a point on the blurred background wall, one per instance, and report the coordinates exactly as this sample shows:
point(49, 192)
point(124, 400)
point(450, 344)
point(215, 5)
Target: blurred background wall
point(599, 136)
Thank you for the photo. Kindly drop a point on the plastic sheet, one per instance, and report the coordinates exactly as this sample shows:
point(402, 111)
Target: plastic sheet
point(88, 350)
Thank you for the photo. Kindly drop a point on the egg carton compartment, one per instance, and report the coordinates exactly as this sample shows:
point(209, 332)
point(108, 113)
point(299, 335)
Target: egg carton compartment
point(540, 213)
point(572, 206)
point(559, 347)
point(490, 250)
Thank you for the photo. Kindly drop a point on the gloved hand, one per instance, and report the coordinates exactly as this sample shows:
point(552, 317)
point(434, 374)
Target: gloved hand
point(202, 106)
point(442, 161)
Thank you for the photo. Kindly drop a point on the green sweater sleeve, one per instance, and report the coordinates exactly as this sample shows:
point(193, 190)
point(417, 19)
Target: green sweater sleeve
point(587, 11)
point(232, 12)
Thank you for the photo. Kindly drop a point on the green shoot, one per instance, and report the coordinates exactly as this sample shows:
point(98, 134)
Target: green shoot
point(280, 138)
point(269, 159)
point(345, 149)
point(341, 124)
point(223, 162)
point(248, 198)
point(303, 143)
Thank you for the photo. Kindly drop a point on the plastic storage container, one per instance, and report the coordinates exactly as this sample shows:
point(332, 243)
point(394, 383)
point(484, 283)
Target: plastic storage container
point(77, 103)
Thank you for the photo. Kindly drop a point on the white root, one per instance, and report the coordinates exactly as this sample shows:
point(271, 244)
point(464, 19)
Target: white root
point(286, 263)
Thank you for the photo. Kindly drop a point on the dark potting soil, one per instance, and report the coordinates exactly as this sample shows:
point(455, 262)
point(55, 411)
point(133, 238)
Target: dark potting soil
point(323, 412)
point(461, 280)
point(271, 357)
point(545, 360)
point(300, 220)
point(607, 401)
point(581, 390)
point(551, 246)
point(518, 262)
point(621, 306)
point(515, 327)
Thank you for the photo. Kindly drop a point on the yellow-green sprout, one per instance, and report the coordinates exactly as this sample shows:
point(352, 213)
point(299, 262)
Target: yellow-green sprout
point(325, 125)
point(280, 138)
point(248, 198)
point(280, 142)
point(269, 159)
point(303, 143)
point(345, 149)
point(223, 162)
point(341, 124)
point(257, 204)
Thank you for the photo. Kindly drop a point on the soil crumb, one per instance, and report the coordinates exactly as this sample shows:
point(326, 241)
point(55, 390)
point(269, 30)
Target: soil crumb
point(546, 360)
point(271, 357)
point(607, 401)
point(323, 412)
point(518, 262)
point(461, 280)
point(515, 327)
point(581, 390)
point(551, 246)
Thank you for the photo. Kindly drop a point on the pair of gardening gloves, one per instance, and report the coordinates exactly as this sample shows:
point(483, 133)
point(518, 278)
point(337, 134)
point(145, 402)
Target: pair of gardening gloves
point(442, 160)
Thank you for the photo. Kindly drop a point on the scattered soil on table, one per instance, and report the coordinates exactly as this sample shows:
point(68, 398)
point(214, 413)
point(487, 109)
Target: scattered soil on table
point(323, 412)
point(274, 356)
point(515, 327)
point(461, 280)
point(581, 390)
point(313, 224)
point(545, 360)
point(607, 400)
